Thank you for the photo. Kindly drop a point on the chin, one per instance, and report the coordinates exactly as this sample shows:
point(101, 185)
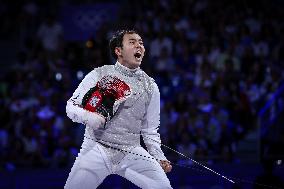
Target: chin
point(132, 64)
point(135, 64)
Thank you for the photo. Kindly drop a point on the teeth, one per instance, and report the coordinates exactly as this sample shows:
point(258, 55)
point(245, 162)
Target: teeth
point(137, 55)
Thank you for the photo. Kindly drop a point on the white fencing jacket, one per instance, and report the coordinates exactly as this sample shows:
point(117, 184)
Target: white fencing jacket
point(139, 113)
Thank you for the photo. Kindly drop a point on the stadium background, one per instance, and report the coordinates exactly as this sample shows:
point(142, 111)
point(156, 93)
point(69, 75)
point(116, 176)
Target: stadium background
point(218, 64)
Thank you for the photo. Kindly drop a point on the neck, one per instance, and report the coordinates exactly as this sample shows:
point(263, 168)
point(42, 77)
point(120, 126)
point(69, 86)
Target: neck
point(127, 65)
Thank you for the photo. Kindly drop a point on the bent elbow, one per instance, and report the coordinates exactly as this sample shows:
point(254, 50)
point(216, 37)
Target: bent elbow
point(80, 115)
point(72, 112)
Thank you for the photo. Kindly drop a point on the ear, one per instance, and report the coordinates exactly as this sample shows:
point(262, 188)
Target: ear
point(117, 51)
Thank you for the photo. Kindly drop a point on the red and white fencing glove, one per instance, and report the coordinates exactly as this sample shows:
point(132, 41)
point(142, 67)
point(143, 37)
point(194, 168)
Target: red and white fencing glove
point(104, 97)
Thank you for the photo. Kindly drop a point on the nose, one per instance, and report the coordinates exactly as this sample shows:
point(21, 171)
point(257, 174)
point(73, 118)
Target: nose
point(137, 44)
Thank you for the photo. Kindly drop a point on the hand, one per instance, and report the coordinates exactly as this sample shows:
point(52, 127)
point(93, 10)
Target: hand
point(103, 97)
point(166, 165)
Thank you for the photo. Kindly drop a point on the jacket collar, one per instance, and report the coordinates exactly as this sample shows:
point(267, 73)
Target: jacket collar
point(127, 71)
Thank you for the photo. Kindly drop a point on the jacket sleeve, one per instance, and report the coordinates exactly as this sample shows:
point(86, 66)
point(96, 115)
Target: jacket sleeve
point(74, 109)
point(151, 125)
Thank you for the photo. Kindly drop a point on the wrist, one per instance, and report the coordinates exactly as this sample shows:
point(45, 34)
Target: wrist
point(94, 120)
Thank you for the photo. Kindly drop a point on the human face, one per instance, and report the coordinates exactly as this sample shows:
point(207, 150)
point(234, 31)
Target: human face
point(132, 51)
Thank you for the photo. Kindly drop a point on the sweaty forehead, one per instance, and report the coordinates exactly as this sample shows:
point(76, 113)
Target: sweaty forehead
point(133, 36)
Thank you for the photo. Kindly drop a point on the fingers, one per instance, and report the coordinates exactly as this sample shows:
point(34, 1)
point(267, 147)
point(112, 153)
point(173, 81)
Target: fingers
point(165, 161)
point(168, 168)
point(166, 165)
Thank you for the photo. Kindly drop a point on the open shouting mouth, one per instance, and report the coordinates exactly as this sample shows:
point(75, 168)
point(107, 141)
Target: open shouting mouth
point(138, 56)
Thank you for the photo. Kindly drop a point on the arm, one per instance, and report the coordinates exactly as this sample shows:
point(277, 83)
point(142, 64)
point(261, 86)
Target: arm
point(150, 128)
point(151, 125)
point(74, 108)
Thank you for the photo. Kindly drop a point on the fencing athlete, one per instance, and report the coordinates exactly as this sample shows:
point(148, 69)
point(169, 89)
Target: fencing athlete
point(118, 103)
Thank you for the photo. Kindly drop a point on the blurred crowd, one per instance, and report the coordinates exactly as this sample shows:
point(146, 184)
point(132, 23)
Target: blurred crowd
point(216, 64)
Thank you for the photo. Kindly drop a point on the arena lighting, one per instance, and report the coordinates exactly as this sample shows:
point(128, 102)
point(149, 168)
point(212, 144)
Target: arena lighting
point(80, 75)
point(58, 76)
point(89, 44)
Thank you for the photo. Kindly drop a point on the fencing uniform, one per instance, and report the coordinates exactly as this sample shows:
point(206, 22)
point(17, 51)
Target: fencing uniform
point(137, 112)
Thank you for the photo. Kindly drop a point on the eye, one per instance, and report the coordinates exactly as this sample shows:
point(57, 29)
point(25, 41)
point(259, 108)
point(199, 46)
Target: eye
point(141, 43)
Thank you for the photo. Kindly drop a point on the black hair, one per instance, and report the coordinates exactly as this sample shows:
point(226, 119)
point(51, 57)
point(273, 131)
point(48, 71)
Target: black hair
point(117, 39)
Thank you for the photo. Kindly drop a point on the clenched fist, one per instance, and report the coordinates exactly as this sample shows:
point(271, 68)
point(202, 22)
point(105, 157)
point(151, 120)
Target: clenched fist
point(166, 165)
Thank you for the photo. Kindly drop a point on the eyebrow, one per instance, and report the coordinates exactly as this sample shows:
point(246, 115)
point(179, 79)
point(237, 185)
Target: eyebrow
point(132, 39)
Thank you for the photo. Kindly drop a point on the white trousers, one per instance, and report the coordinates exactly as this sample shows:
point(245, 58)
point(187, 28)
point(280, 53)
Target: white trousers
point(92, 166)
